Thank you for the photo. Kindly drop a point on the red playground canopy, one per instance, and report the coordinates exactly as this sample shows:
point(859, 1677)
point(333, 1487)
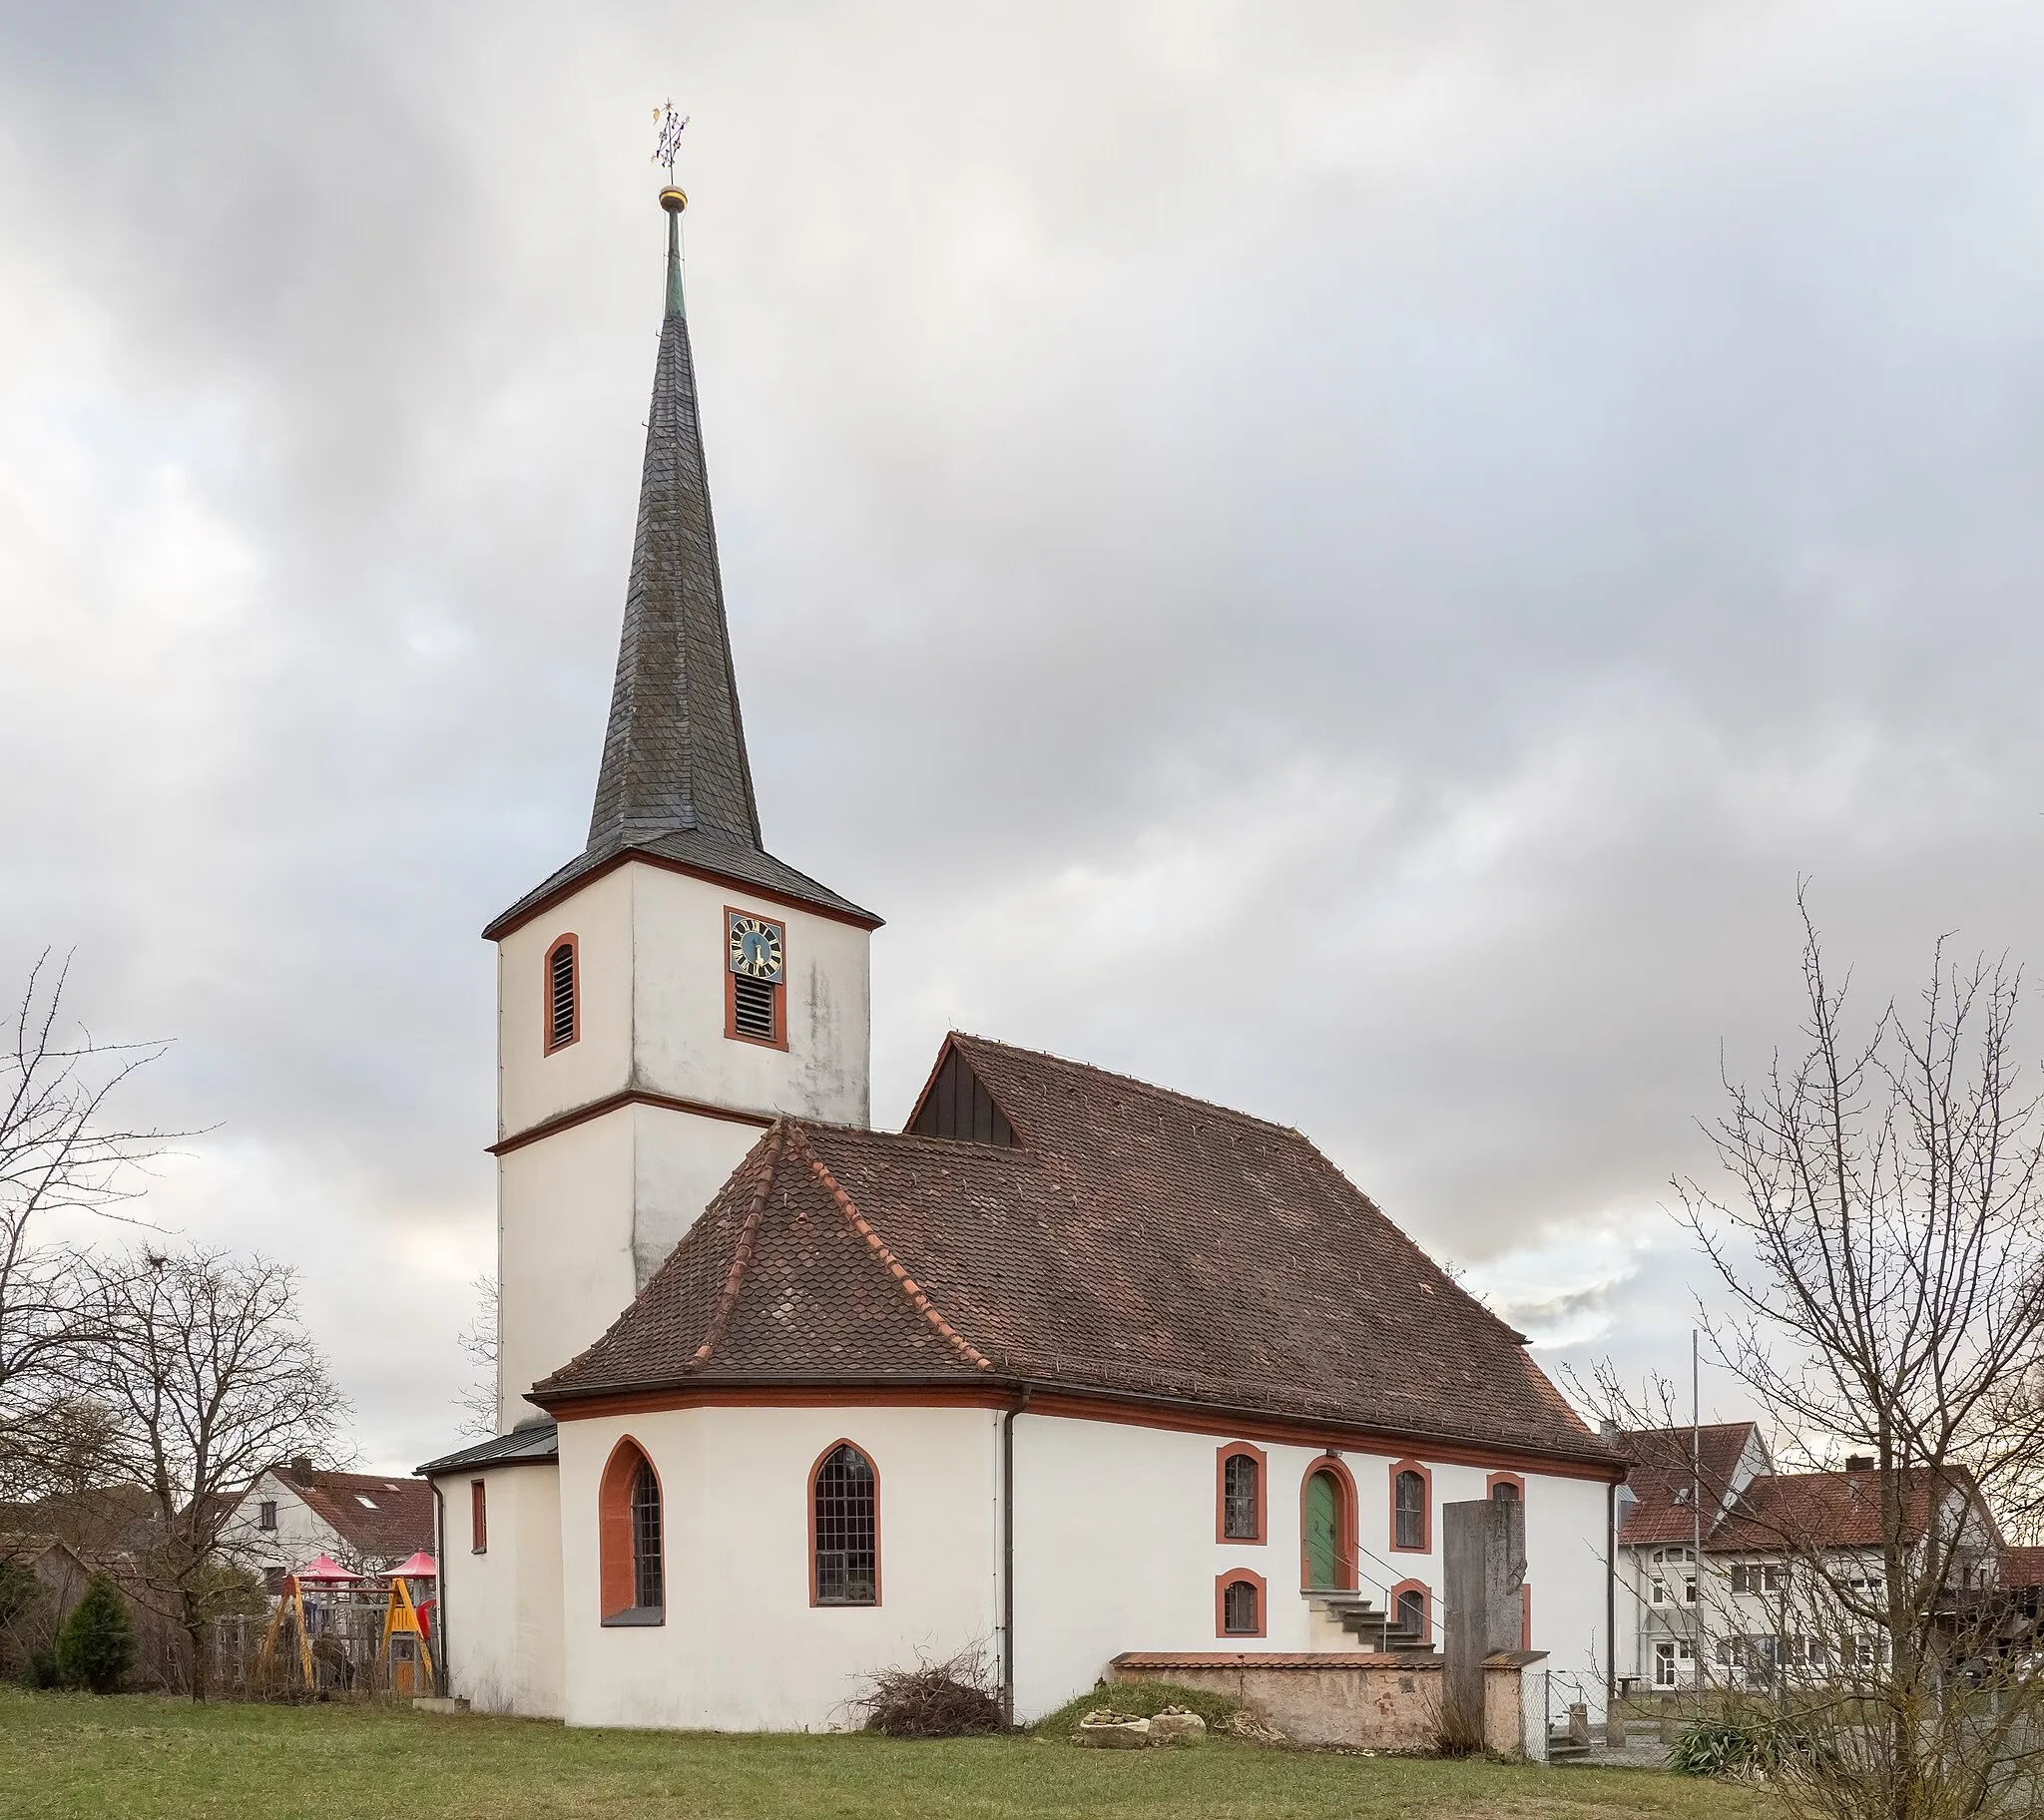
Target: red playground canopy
point(421, 1566)
point(323, 1569)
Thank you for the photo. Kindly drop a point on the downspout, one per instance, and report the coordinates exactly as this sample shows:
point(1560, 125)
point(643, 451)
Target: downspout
point(1610, 1603)
point(1008, 1558)
point(443, 1673)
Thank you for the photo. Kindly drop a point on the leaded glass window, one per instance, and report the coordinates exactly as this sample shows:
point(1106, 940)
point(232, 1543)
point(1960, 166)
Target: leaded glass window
point(1239, 1499)
point(1238, 1608)
point(648, 1587)
point(846, 1529)
point(1411, 1511)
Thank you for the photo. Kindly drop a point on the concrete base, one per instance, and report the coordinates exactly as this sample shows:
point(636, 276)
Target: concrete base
point(432, 1703)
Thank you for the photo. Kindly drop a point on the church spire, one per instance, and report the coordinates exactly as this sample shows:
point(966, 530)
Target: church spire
point(674, 758)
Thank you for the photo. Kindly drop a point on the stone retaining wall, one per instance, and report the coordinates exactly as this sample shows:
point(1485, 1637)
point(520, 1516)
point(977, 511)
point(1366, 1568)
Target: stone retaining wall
point(1371, 1703)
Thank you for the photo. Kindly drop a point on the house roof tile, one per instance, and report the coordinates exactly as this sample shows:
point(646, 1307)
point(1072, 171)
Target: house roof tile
point(1663, 1479)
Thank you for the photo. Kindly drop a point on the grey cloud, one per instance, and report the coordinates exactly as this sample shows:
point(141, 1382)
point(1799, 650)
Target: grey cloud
point(1344, 560)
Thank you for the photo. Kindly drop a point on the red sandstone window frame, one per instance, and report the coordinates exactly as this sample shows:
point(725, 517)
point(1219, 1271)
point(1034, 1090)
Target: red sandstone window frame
point(1398, 1467)
point(548, 1045)
point(809, 1500)
point(1233, 1576)
point(1233, 1449)
point(1495, 1480)
point(1347, 1521)
point(1394, 1595)
point(779, 987)
point(478, 1517)
point(1526, 1615)
point(616, 1562)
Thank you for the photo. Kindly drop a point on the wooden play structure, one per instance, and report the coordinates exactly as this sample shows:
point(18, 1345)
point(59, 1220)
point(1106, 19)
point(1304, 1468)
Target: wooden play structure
point(335, 1633)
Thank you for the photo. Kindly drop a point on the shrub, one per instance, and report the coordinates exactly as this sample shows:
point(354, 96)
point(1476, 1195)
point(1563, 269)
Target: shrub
point(1140, 1700)
point(1752, 1746)
point(948, 1699)
point(96, 1647)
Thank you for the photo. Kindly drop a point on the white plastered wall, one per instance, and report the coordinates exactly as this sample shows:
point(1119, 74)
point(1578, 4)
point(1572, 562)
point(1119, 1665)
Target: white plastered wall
point(682, 963)
point(742, 1647)
point(504, 1606)
point(563, 1255)
point(1116, 1551)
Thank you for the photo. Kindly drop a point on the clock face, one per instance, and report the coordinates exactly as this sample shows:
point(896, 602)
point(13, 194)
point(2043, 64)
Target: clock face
point(755, 946)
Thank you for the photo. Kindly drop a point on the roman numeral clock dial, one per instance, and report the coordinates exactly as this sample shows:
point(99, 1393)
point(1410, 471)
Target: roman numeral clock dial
point(757, 948)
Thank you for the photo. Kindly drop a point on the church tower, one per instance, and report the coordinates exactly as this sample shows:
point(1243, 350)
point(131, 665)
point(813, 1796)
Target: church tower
point(667, 994)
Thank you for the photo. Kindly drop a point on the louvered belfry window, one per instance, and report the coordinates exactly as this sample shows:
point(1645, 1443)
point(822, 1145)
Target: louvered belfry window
point(752, 1008)
point(846, 1518)
point(562, 1024)
point(647, 1583)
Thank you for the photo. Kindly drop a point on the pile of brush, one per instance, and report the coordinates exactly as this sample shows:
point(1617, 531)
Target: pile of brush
point(948, 1699)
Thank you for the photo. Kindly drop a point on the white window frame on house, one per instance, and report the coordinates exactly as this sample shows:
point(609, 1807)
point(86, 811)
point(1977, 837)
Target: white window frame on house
point(1676, 1658)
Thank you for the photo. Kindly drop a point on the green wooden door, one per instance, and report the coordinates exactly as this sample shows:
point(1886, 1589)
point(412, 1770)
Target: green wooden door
point(1323, 1531)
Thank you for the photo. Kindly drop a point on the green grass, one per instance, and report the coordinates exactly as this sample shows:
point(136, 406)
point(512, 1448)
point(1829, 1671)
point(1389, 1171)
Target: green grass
point(74, 1757)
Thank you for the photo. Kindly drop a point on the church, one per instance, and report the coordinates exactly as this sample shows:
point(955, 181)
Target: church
point(1072, 1369)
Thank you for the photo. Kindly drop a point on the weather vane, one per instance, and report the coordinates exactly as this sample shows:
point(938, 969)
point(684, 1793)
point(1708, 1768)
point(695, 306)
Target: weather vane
point(670, 124)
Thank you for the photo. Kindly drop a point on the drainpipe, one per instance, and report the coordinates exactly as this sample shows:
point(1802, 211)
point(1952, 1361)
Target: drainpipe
point(1610, 1604)
point(443, 1673)
point(1008, 1558)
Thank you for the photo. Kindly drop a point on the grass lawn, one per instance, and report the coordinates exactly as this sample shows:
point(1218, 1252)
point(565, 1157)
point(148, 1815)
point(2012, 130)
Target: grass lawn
point(74, 1757)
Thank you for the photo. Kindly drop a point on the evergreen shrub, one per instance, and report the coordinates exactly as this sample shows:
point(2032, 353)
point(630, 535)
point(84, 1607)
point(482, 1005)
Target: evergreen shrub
point(96, 1647)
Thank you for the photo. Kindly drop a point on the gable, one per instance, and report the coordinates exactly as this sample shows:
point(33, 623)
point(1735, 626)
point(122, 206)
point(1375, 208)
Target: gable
point(957, 1104)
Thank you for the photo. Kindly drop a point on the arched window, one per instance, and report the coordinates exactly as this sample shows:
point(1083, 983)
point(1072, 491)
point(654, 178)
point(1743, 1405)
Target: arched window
point(563, 995)
point(844, 1529)
point(1326, 1520)
point(1239, 1603)
point(1412, 1612)
point(632, 1570)
point(1411, 1508)
point(1505, 1486)
point(1239, 1494)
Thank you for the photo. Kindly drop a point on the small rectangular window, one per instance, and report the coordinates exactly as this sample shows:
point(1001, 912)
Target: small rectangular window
point(478, 1518)
point(266, 1514)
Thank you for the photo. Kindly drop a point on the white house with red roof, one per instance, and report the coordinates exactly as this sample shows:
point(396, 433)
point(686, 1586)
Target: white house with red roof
point(1074, 1369)
point(295, 1512)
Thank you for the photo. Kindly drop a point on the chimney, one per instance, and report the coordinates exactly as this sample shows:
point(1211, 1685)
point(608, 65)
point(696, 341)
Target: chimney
point(1859, 1463)
point(1608, 1429)
point(302, 1468)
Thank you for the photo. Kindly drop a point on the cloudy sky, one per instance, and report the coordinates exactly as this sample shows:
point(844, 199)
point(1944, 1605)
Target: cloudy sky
point(1344, 559)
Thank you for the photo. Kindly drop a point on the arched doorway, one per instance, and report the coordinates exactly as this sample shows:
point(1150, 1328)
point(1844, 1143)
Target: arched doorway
point(1327, 1527)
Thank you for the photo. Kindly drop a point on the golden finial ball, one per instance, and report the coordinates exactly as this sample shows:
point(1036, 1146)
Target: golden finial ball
point(672, 200)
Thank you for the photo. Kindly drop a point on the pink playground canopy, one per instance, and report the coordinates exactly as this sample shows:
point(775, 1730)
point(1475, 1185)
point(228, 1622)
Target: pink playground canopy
point(325, 1571)
point(421, 1566)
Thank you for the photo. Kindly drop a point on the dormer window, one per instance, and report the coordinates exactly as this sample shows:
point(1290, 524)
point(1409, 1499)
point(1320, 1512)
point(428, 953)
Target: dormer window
point(755, 979)
point(563, 995)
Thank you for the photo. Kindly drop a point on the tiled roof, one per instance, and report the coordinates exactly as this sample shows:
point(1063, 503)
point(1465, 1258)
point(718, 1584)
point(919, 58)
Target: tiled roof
point(1133, 1242)
point(675, 780)
point(376, 1515)
point(1662, 1479)
point(1816, 1509)
point(2022, 1567)
point(530, 1442)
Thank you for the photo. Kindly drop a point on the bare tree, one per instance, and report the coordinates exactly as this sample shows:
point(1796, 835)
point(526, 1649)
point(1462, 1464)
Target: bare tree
point(211, 1377)
point(1882, 1246)
point(60, 1152)
point(478, 1399)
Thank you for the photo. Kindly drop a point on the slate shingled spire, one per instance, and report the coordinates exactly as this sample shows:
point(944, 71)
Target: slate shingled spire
point(675, 785)
point(675, 755)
